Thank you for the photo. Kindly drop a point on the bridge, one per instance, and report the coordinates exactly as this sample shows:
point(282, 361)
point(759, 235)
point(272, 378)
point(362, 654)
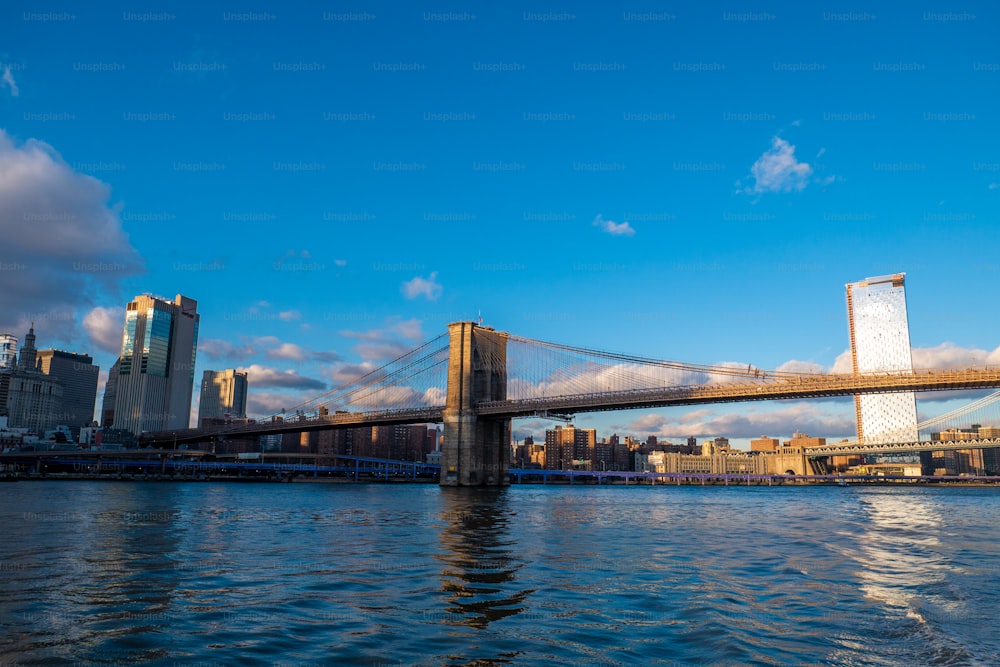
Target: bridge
point(475, 380)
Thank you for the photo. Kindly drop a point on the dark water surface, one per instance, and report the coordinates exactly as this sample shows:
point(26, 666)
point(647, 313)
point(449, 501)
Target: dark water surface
point(227, 573)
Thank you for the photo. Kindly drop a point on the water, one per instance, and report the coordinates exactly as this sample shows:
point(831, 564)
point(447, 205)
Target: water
point(228, 573)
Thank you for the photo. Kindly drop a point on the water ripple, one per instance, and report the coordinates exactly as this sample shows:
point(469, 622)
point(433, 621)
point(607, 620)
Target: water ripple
point(165, 573)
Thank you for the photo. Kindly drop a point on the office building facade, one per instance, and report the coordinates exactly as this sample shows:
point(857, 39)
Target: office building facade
point(156, 366)
point(223, 393)
point(31, 399)
point(78, 376)
point(880, 341)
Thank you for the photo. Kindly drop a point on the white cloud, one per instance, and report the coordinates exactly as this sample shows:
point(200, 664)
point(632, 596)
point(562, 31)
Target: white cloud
point(814, 419)
point(949, 354)
point(843, 363)
point(777, 170)
point(63, 246)
point(265, 376)
point(427, 287)
point(8, 78)
point(945, 355)
point(289, 351)
point(104, 326)
point(344, 374)
point(795, 366)
point(289, 315)
point(270, 347)
point(614, 228)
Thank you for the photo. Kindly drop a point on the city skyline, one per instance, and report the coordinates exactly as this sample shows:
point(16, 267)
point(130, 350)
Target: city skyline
point(334, 190)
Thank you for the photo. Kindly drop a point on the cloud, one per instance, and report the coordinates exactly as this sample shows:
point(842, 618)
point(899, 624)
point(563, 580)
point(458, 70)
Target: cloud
point(267, 403)
point(843, 363)
point(104, 327)
point(614, 228)
point(795, 366)
point(948, 354)
point(287, 351)
point(817, 420)
point(217, 348)
point(289, 315)
point(345, 374)
point(63, 248)
point(777, 170)
point(386, 343)
point(427, 287)
point(8, 78)
point(264, 376)
point(270, 347)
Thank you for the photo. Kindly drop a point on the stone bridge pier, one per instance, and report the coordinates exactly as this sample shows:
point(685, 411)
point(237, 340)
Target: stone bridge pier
point(476, 449)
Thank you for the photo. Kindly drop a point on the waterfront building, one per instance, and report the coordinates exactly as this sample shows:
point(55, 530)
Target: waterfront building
point(33, 400)
point(78, 376)
point(803, 440)
point(888, 469)
point(569, 448)
point(880, 341)
point(764, 444)
point(223, 393)
point(715, 446)
point(156, 367)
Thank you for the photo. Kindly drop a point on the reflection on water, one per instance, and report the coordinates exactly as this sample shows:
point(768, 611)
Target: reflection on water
point(906, 548)
point(97, 576)
point(169, 573)
point(897, 548)
point(479, 565)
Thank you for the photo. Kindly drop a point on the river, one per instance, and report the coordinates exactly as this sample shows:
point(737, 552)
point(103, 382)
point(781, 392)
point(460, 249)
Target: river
point(399, 574)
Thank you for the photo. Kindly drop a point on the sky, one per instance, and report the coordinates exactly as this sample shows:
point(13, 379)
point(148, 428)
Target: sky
point(336, 182)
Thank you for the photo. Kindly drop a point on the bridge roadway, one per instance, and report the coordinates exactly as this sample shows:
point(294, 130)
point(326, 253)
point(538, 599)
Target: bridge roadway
point(295, 424)
point(773, 388)
point(848, 448)
point(770, 388)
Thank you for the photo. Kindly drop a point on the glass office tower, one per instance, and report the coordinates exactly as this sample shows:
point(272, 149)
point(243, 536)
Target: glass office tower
point(880, 341)
point(156, 368)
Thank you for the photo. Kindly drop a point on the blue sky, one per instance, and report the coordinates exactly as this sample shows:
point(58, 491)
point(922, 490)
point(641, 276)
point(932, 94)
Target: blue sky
point(690, 181)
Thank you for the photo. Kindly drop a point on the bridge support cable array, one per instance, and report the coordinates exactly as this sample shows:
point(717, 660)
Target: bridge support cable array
point(416, 379)
point(538, 369)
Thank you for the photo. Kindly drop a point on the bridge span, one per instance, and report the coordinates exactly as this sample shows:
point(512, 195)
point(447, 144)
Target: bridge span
point(484, 387)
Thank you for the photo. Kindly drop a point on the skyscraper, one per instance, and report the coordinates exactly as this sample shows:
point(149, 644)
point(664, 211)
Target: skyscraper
point(78, 375)
point(8, 350)
point(880, 341)
point(222, 393)
point(156, 368)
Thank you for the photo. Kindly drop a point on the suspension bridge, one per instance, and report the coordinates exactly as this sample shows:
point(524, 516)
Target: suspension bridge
point(475, 380)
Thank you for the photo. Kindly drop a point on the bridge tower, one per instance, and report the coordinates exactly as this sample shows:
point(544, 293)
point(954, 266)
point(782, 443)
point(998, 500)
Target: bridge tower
point(476, 449)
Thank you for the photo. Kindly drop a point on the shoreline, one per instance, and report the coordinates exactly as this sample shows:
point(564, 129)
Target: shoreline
point(845, 481)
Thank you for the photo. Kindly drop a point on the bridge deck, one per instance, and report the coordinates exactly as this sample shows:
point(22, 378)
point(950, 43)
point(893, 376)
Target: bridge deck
point(771, 388)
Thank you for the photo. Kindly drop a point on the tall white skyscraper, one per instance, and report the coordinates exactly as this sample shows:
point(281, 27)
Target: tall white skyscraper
point(880, 341)
point(156, 368)
point(222, 393)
